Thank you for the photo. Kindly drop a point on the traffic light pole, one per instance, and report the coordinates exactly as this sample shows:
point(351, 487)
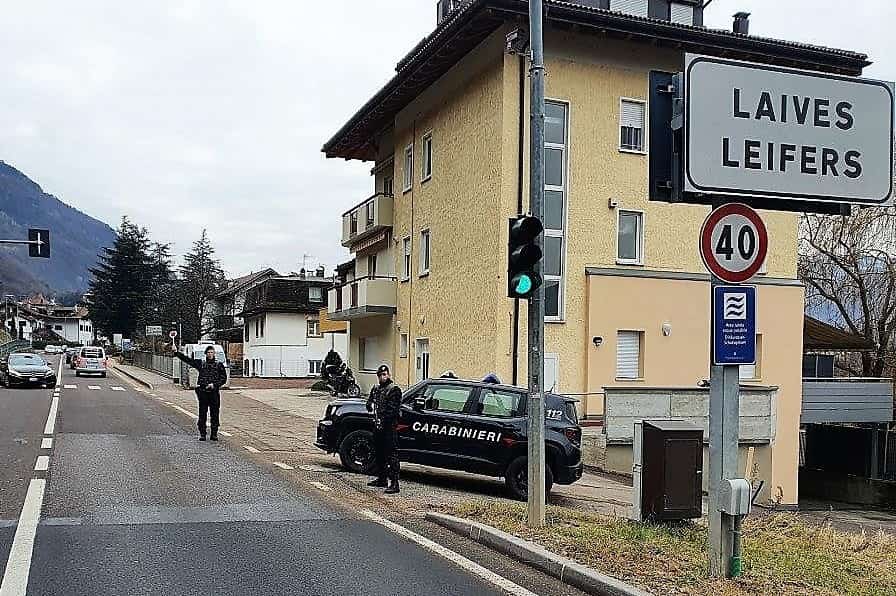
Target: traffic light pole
point(535, 477)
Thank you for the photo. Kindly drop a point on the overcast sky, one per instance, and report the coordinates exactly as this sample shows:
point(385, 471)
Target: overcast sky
point(211, 113)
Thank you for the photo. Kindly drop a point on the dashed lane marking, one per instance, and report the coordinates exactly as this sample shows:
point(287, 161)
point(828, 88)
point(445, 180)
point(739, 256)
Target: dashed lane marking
point(308, 468)
point(251, 449)
point(224, 433)
point(42, 464)
point(459, 560)
point(18, 565)
point(283, 466)
point(93, 387)
point(70, 386)
point(46, 443)
point(50, 427)
point(320, 486)
point(118, 388)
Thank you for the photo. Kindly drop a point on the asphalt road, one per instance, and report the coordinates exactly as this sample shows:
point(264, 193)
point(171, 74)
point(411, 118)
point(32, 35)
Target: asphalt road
point(135, 504)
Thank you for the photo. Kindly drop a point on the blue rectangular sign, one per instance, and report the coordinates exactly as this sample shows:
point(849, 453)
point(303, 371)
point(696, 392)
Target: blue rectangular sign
point(734, 325)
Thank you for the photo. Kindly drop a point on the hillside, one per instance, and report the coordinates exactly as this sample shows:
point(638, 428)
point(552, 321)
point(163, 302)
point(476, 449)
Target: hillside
point(76, 238)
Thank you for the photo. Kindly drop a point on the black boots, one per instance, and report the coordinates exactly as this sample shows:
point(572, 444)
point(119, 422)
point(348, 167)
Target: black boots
point(392, 488)
point(201, 437)
point(378, 483)
point(214, 437)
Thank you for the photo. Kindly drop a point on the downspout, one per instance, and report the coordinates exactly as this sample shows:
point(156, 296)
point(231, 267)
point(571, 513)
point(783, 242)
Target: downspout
point(519, 205)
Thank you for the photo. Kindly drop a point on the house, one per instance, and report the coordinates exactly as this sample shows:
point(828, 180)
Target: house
point(282, 334)
point(626, 294)
point(70, 324)
point(223, 324)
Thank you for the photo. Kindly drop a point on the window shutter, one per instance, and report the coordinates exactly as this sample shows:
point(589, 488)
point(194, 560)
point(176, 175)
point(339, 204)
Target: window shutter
point(635, 7)
point(747, 371)
point(632, 114)
point(682, 13)
point(628, 354)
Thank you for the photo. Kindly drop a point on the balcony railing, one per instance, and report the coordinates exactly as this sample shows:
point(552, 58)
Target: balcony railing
point(363, 297)
point(366, 219)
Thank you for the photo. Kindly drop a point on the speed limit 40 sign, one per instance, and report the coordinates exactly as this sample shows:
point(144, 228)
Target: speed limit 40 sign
point(733, 243)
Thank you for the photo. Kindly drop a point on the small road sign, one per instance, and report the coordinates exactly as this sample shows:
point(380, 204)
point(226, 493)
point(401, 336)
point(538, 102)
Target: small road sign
point(733, 243)
point(172, 334)
point(152, 330)
point(39, 243)
point(734, 325)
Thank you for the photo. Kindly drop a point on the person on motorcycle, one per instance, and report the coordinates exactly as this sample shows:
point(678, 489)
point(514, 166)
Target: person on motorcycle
point(332, 359)
point(385, 403)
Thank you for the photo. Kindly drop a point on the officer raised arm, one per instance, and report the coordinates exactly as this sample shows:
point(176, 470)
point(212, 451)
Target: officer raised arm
point(212, 376)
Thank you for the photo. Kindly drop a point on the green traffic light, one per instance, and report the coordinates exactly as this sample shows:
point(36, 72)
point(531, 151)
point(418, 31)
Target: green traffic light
point(523, 285)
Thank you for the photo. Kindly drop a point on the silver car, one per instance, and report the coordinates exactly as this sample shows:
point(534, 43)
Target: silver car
point(90, 361)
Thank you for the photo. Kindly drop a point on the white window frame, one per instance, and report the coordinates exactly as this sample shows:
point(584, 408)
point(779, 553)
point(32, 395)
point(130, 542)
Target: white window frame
point(425, 252)
point(408, 174)
point(406, 258)
point(641, 339)
point(689, 8)
point(388, 190)
point(757, 367)
point(627, 10)
point(403, 343)
point(560, 317)
point(418, 353)
point(316, 324)
point(320, 297)
point(643, 150)
point(640, 259)
point(311, 367)
point(426, 157)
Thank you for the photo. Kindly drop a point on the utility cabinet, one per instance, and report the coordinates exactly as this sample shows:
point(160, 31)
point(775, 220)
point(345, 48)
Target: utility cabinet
point(667, 470)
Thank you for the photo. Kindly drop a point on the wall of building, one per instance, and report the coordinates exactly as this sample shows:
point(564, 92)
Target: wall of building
point(286, 348)
point(380, 329)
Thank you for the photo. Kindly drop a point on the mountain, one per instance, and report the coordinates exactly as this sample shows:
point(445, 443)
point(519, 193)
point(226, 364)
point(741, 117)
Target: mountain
point(75, 239)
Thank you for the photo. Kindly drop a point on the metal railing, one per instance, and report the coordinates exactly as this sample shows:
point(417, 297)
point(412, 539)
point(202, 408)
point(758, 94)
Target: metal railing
point(162, 364)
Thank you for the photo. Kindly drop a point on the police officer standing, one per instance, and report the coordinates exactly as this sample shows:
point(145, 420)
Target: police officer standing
point(212, 377)
point(385, 403)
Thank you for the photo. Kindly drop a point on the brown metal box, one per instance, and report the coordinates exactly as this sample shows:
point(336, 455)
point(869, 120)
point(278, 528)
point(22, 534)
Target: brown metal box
point(672, 470)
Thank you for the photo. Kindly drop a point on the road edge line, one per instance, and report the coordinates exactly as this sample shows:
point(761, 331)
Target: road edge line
point(446, 553)
point(121, 371)
point(18, 564)
point(562, 568)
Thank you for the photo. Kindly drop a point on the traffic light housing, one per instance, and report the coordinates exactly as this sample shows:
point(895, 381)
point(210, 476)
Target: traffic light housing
point(40, 246)
point(522, 255)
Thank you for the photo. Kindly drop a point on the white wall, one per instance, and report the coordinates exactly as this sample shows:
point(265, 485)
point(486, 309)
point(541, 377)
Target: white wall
point(286, 348)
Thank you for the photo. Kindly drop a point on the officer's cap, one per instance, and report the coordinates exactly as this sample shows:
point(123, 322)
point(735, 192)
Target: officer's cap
point(382, 369)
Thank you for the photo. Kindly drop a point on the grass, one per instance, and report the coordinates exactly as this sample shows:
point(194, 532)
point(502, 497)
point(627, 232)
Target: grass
point(782, 555)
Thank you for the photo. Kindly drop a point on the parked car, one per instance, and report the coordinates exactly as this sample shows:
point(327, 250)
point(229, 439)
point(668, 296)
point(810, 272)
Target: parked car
point(51, 349)
point(24, 370)
point(90, 360)
point(461, 425)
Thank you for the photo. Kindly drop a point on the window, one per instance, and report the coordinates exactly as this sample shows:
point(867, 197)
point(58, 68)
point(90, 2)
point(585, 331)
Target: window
point(444, 398)
point(424, 252)
point(370, 210)
point(753, 372)
point(818, 366)
point(422, 350)
point(315, 294)
point(408, 168)
point(353, 223)
point(58, 327)
point(629, 237)
point(635, 7)
point(246, 333)
point(314, 328)
point(246, 368)
point(388, 184)
point(681, 13)
point(262, 318)
point(501, 404)
point(315, 367)
point(556, 138)
point(628, 355)
point(403, 345)
point(406, 259)
point(427, 157)
point(631, 125)
point(371, 265)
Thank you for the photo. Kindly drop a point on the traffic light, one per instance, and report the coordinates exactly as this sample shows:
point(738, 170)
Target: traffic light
point(522, 255)
point(40, 246)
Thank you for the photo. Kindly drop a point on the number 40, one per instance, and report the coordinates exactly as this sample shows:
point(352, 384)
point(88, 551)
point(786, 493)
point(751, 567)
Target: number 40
point(746, 242)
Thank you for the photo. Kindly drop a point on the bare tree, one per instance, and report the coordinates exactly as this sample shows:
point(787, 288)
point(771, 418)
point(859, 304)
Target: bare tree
point(848, 264)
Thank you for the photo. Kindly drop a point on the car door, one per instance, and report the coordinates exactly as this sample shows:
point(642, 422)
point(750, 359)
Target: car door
point(442, 407)
point(497, 419)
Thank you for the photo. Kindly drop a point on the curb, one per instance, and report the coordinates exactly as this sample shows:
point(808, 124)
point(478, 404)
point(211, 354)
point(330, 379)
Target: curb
point(566, 570)
point(146, 384)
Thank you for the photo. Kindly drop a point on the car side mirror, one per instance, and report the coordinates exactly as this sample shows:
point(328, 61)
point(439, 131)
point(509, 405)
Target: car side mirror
point(419, 403)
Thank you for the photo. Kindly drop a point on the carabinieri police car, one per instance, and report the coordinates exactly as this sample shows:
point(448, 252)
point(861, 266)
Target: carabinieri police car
point(461, 425)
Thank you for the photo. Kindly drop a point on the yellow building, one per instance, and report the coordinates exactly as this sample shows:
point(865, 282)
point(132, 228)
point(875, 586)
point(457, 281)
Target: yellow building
point(627, 296)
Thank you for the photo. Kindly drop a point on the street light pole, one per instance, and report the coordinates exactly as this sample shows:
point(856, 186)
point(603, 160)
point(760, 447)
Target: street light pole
point(535, 476)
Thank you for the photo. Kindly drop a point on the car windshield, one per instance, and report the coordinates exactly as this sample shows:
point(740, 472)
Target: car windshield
point(26, 360)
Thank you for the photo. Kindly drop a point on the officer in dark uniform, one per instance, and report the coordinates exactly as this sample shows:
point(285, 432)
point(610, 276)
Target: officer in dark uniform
point(385, 403)
point(212, 377)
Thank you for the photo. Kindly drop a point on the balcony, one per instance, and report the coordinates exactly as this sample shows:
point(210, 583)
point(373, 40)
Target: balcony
point(363, 297)
point(365, 221)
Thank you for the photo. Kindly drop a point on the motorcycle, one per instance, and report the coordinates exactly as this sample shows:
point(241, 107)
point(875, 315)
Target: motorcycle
point(341, 380)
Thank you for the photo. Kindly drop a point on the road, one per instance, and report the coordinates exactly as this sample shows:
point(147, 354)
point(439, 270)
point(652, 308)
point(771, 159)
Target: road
point(132, 503)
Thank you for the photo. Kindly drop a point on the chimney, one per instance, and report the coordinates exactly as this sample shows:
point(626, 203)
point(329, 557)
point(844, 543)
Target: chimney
point(742, 23)
point(320, 271)
point(302, 273)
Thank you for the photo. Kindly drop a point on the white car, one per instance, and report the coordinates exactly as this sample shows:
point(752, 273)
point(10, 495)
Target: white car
point(51, 349)
point(90, 361)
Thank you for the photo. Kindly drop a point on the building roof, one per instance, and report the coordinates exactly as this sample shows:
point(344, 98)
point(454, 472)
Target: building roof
point(236, 284)
point(820, 336)
point(283, 294)
point(471, 23)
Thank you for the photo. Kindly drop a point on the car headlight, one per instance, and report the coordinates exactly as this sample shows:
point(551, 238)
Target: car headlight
point(48, 373)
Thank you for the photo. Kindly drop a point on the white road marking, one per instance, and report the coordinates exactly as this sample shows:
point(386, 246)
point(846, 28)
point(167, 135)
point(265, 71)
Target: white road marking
point(93, 387)
point(187, 412)
point(251, 449)
point(461, 561)
point(320, 486)
point(224, 433)
point(42, 464)
point(46, 443)
point(283, 466)
point(59, 373)
point(70, 386)
point(308, 468)
point(51, 417)
point(18, 566)
point(117, 388)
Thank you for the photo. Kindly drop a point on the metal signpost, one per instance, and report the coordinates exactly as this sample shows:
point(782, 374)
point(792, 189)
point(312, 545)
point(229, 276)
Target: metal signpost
point(535, 478)
point(733, 245)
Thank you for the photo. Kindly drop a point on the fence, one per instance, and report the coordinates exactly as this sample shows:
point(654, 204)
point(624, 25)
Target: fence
point(159, 363)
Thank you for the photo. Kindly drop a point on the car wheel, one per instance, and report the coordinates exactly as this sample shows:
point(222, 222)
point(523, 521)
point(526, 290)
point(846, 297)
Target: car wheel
point(356, 452)
point(353, 390)
point(515, 477)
